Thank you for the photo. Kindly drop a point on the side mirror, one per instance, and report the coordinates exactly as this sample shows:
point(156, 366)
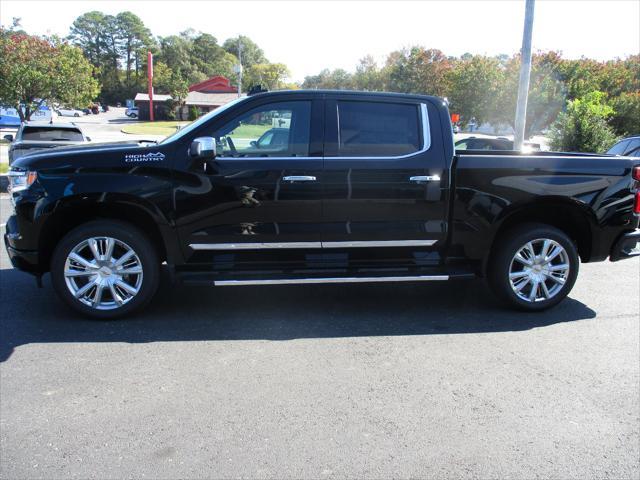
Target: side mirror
point(203, 147)
point(88, 139)
point(253, 143)
point(8, 138)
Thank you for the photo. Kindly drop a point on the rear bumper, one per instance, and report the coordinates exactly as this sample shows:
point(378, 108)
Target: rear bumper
point(627, 246)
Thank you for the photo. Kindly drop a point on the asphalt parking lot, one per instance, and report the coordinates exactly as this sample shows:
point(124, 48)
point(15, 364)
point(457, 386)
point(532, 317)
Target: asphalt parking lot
point(403, 381)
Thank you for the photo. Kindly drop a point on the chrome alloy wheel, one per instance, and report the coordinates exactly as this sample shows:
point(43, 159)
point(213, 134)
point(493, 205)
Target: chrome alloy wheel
point(539, 270)
point(103, 273)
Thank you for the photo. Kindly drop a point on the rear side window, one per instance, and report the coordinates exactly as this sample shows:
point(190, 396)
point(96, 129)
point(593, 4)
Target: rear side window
point(618, 148)
point(633, 147)
point(368, 129)
point(50, 134)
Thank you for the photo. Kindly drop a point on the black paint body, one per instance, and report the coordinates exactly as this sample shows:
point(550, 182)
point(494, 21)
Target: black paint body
point(178, 201)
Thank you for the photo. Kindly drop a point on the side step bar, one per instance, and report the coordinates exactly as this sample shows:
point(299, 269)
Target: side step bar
point(286, 281)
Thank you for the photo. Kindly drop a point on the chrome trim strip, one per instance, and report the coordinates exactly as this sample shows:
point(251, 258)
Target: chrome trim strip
point(288, 281)
point(379, 243)
point(426, 144)
point(253, 246)
point(426, 132)
point(279, 245)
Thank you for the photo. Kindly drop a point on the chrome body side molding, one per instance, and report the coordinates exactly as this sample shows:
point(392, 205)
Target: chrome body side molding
point(348, 244)
point(253, 246)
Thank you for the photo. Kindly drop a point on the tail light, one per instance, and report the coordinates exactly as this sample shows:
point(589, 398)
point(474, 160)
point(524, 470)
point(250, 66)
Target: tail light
point(636, 203)
point(635, 173)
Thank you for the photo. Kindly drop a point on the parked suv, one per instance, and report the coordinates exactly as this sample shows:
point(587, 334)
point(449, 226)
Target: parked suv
point(32, 136)
point(366, 187)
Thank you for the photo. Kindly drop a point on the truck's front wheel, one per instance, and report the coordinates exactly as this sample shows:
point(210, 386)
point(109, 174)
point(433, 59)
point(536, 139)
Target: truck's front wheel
point(105, 269)
point(533, 267)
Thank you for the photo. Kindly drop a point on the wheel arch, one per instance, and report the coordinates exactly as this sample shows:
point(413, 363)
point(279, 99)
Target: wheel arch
point(71, 214)
point(568, 216)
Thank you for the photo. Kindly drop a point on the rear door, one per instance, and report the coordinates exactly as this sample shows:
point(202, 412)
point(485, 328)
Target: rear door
point(385, 182)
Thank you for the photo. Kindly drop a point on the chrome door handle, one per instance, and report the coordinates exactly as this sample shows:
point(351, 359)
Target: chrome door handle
point(425, 178)
point(299, 178)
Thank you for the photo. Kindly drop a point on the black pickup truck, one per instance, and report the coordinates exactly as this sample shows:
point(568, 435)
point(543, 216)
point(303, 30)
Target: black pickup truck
point(357, 187)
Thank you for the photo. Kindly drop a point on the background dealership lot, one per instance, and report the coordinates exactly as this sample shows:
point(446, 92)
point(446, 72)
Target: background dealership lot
point(328, 381)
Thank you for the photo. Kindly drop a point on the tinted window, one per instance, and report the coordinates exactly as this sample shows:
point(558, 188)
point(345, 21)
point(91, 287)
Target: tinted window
point(377, 129)
point(633, 146)
point(618, 148)
point(52, 134)
point(273, 130)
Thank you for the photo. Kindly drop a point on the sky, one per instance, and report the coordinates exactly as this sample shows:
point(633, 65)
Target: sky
point(308, 36)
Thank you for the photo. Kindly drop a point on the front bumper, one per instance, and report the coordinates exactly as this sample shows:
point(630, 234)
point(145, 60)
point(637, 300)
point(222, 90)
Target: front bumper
point(26, 260)
point(627, 246)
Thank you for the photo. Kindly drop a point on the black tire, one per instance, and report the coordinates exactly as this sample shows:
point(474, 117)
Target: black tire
point(502, 265)
point(122, 232)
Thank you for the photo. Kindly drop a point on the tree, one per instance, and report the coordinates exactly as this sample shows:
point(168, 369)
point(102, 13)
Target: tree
point(418, 70)
point(475, 84)
point(547, 93)
point(626, 117)
point(269, 75)
point(134, 38)
point(583, 126)
point(36, 70)
point(368, 76)
point(251, 53)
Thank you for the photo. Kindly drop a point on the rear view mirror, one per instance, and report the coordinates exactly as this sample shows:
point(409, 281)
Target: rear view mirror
point(203, 147)
point(8, 138)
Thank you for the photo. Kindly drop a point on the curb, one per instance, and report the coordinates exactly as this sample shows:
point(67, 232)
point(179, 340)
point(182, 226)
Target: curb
point(4, 183)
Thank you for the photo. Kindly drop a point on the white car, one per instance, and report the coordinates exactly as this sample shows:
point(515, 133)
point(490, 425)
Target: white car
point(132, 112)
point(69, 112)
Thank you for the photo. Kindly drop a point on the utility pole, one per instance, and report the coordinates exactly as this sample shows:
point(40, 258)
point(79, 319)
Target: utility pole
point(239, 67)
point(525, 73)
point(150, 84)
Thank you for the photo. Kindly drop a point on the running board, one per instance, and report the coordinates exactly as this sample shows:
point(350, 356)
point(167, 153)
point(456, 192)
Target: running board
point(288, 281)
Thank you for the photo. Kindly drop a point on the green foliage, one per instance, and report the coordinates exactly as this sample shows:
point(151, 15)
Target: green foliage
point(251, 53)
point(583, 126)
point(193, 113)
point(34, 70)
point(418, 70)
point(475, 84)
point(270, 75)
point(626, 117)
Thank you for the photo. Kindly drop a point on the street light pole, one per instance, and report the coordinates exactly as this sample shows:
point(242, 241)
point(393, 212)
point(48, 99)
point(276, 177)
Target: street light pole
point(525, 73)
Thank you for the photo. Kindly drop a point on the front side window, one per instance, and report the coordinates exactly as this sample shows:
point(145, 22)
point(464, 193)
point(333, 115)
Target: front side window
point(368, 129)
point(274, 130)
point(51, 134)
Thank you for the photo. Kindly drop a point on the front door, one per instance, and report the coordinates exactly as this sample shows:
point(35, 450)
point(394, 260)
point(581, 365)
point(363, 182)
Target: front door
point(385, 183)
point(258, 204)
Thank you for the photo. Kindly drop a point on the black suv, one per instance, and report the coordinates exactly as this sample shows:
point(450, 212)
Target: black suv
point(365, 187)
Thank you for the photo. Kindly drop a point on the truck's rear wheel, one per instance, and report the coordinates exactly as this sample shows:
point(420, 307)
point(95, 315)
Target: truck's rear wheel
point(533, 267)
point(105, 269)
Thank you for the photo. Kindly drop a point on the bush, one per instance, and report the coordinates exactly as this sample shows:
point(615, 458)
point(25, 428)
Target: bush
point(583, 127)
point(193, 112)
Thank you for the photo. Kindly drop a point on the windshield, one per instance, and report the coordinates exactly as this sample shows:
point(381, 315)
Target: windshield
point(205, 118)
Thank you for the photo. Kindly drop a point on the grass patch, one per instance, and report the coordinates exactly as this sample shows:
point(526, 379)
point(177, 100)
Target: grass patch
point(250, 131)
point(153, 128)
point(4, 167)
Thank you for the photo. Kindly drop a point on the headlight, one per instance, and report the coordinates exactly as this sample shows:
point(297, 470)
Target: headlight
point(20, 179)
